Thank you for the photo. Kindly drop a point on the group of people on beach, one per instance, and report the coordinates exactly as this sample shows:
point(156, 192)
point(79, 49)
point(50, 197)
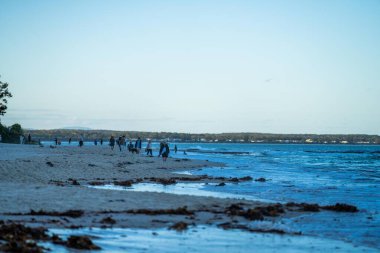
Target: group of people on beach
point(136, 147)
point(122, 143)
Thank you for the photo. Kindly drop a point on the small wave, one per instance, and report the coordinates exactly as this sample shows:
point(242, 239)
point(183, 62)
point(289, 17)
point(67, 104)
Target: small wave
point(205, 151)
point(342, 152)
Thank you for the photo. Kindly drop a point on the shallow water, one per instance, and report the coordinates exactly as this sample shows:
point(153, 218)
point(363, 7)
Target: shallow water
point(323, 174)
point(194, 189)
point(202, 239)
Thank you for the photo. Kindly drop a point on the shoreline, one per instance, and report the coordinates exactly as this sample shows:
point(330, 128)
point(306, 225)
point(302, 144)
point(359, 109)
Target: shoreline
point(44, 186)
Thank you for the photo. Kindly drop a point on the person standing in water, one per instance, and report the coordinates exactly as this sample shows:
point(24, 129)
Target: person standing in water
point(161, 148)
point(138, 145)
point(81, 139)
point(112, 142)
point(101, 141)
point(69, 140)
point(175, 149)
point(165, 151)
point(120, 142)
point(149, 148)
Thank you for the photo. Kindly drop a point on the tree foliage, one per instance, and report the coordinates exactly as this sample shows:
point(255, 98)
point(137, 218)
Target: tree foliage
point(11, 134)
point(4, 94)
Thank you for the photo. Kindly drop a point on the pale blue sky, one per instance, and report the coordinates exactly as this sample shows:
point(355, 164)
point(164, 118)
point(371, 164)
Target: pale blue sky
point(193, 66)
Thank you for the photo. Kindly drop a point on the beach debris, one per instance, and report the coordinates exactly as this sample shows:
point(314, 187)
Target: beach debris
point(108, 220)
point(338, 207)
point(256, 213)
point(50, 164)
point(81, 242)
point(341, 207)
point(69, 213)
point(261, 179)
point(164, 181)
point(126, 183)
point(122, 164)
point(94, 183)
point(19, 238)
point(57, 182)
point(271, 210)
point(228, 225)
point(73, 181)
point(179, 226)
point(247, 178)
point(178, 211)
point(57, 240)
point(250, 214)
point(303, 207)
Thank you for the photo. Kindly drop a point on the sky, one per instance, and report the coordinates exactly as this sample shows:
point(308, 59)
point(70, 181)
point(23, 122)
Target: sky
point(193, 66)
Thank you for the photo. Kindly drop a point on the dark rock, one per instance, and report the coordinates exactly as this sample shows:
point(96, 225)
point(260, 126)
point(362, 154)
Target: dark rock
point(94, 183)
point(75, 182)
point(310, 207)
point(340, 207)
point(108, 220)
point(221, 184)
point(271, 210)
point(179, 226)
point(261, 179)
point(233, 209)
point(81, 242)
point(19, 238)
point(247, 178)
point(163, 181)
point(127, 183)
point(57, 240)
point(50, 164)
point(252, 214)
point(69, 213)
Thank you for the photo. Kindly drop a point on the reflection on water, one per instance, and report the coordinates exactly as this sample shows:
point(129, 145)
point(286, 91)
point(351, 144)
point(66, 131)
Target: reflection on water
point(194, 189)
point(202, 239)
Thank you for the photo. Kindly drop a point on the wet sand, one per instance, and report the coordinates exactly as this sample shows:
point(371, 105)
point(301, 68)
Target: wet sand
point(56, 180)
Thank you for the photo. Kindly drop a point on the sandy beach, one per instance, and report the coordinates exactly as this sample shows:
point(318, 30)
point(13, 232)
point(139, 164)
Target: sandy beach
point(41, 178)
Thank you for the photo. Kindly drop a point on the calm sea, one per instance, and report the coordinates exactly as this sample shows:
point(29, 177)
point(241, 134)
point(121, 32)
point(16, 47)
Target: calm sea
point(323, 174)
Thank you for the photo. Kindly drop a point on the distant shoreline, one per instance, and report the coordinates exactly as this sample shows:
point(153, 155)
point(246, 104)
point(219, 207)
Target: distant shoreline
point(241, 138)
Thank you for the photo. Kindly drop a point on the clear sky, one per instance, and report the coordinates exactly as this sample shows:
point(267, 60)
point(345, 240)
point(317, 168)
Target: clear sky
point(193, 66)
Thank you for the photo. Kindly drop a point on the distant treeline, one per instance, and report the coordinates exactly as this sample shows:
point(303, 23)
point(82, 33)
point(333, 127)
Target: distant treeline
point(65, 134)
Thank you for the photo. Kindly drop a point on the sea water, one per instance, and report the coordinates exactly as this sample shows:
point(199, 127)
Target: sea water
point(322, 174)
